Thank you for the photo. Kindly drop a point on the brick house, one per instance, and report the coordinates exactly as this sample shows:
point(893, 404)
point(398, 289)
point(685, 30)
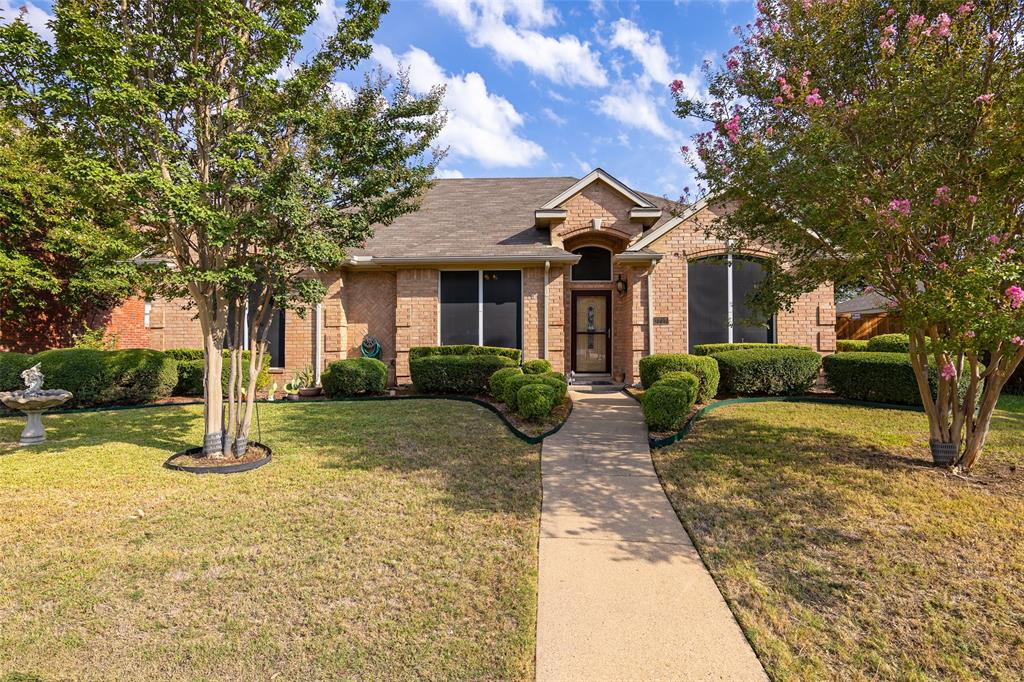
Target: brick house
point(588, 273)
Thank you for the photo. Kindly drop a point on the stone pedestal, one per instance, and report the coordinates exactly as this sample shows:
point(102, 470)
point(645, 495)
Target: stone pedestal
point(33, 433)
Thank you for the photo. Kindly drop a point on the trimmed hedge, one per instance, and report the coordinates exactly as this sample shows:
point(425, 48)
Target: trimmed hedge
point(653, 367)
point(354, 376)
point(499, 382)
point(447, 373)
point(880, 378)
point(712, 348)
point(768, 372)
point(516, 382)
point(668, 402)
point(190, 371)
point(97, 377)
point(535, 401)
point(417, 352)
point(538, 366)
point(889, 343)
point(852, 345)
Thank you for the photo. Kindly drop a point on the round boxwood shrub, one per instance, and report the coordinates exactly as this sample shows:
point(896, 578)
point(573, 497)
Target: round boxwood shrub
point(538, 366)
point(667, 403)
point(11, 367)
point(465, 374)
point(535, 401)
point(654, 367)
point(556, 381)
point(685, 380)
point(761, 371)
point(354, 376)
point(499, 382)
point(881, 378)
point(712, 348)
point(889, 343)
point(852, 345)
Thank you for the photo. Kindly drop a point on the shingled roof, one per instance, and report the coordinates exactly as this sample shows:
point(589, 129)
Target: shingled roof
point(474, 218)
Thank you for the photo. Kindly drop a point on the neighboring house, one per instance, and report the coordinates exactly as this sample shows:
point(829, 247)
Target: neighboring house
point(866, 315)
point(588, 273)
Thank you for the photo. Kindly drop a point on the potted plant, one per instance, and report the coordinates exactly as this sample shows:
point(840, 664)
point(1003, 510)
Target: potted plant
point(291, 390)
point(305, 382)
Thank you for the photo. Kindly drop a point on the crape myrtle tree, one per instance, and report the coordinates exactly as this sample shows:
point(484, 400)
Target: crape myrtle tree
point(882, 141)
point(240, 165)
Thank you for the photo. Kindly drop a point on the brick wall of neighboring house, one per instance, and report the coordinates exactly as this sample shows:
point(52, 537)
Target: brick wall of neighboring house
point(812, 322)
point(416, 311)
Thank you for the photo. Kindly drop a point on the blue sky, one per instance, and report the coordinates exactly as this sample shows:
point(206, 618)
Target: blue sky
point(536, 87)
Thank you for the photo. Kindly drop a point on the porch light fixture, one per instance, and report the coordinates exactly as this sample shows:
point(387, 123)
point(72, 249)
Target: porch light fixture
point(620, 284)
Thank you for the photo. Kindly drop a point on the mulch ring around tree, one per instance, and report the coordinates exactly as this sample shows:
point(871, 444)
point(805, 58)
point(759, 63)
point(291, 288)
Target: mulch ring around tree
point(193, 461)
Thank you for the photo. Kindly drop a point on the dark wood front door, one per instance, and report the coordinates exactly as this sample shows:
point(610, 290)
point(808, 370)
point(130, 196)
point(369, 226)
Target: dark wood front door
point(592, 332)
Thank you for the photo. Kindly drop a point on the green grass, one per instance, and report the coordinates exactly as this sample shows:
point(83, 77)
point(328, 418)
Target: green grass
point(387, 540)
point(844, 554)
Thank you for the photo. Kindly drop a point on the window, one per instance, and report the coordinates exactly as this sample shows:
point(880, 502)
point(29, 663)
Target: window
point(147, 314)
point(481, 307)
point(718, 289)
point(595, 265)
point(275, 335)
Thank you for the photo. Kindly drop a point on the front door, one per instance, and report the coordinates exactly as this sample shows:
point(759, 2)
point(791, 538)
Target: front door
point(591, 332)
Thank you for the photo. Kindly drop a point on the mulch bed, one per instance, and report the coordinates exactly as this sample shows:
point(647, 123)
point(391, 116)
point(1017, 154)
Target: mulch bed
point(193, 458)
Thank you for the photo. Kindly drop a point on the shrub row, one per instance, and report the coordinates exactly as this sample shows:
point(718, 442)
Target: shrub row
point(466, 374)
point(852, 345)
point(355, 376)
point(97, 377)
point(668, 402)
point(190, 371)
point(418, 352)
point(654, 367)
point(712, 348)
point(532, 396)
point(880, 377)
point(762, 371)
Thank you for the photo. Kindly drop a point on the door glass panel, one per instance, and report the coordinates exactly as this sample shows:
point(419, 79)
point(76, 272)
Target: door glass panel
point(591, 333)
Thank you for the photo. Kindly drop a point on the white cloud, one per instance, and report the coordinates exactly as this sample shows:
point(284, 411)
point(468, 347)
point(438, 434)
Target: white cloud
point(646, 48)
point(35, 16)
point(553, 117)
point(448, 174)
point(342, 92)
point(481, 125)
point(565, 60)
point(584, 166)
point(638, 109)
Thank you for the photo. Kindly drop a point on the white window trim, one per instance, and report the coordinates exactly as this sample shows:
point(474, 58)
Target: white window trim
point(147, 314)
point(611, 264)
point(730, 311)
point(480, 302)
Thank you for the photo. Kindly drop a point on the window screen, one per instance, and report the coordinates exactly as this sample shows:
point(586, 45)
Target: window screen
point(460, 322)
point(502, 304)
point(595, 265)
point(747, 327)
point(708, 295)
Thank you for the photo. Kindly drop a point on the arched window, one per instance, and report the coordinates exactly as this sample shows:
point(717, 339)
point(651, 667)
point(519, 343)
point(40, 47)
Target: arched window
point(595, 265)
point(717, 290)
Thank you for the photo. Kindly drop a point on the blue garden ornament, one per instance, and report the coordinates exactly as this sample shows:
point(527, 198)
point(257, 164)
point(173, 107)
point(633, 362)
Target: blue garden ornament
point(370, 347)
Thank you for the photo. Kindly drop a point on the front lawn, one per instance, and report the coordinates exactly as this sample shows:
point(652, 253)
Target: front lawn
point(844, 554)
point(387, 540)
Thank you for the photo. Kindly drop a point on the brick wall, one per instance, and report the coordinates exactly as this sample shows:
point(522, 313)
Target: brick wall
point(369, 307)
point(598, 200)
point(416, 318)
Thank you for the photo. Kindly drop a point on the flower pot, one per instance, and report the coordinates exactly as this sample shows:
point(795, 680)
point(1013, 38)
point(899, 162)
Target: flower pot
point(310, 392)
point(291, 396)
point(943, 454)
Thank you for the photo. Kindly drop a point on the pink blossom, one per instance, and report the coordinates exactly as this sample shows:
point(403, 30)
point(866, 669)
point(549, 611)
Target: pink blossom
point(814, 99)
point(676, 85)
point(684, 149)
point(972, 199)
point(866, 200)
point(993, 239)
point(769, 132)
point(948, 372)
point(943, 240)
point(732, 128)
point(994, 36)
point(943, 266)
point(986, 98)
point(941, 25)
point(805, 78)
point(785, 87)
point(915, 21)
point(890, 12)
point(732, 63)
point(941, 196)
point(887, 46)
point(1018, 341)
point(965, 8)
point(1016, 296)
point(969, 334)
point(777, 100)
point(889, 30)
point(901, 206)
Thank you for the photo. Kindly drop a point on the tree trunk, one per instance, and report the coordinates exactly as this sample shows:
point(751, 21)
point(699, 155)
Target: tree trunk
point(213, 397)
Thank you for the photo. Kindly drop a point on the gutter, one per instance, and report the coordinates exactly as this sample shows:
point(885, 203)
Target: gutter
point(318, 344)
point(650, 311)
point(547, 269)
point(565, 258)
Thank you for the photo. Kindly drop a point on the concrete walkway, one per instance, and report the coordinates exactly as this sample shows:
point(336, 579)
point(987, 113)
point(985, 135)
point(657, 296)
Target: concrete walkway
point(623, 594)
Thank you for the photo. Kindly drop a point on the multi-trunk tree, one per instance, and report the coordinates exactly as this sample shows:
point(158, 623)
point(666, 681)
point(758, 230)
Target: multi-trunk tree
point(233, 157)
point(883, 141)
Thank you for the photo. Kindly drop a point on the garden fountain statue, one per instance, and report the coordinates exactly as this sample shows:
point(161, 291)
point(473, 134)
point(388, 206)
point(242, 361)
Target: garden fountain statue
point(33, 401)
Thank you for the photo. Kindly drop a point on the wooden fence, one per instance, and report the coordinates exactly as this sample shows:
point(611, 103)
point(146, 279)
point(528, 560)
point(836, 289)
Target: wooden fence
point(867, 325)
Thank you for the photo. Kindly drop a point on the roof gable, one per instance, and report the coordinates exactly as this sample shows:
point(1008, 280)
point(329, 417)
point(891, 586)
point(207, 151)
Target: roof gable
point(593, 176)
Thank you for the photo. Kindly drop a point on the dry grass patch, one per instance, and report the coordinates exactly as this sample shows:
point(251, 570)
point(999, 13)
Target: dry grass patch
point(387, 540)
point(844, 554)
